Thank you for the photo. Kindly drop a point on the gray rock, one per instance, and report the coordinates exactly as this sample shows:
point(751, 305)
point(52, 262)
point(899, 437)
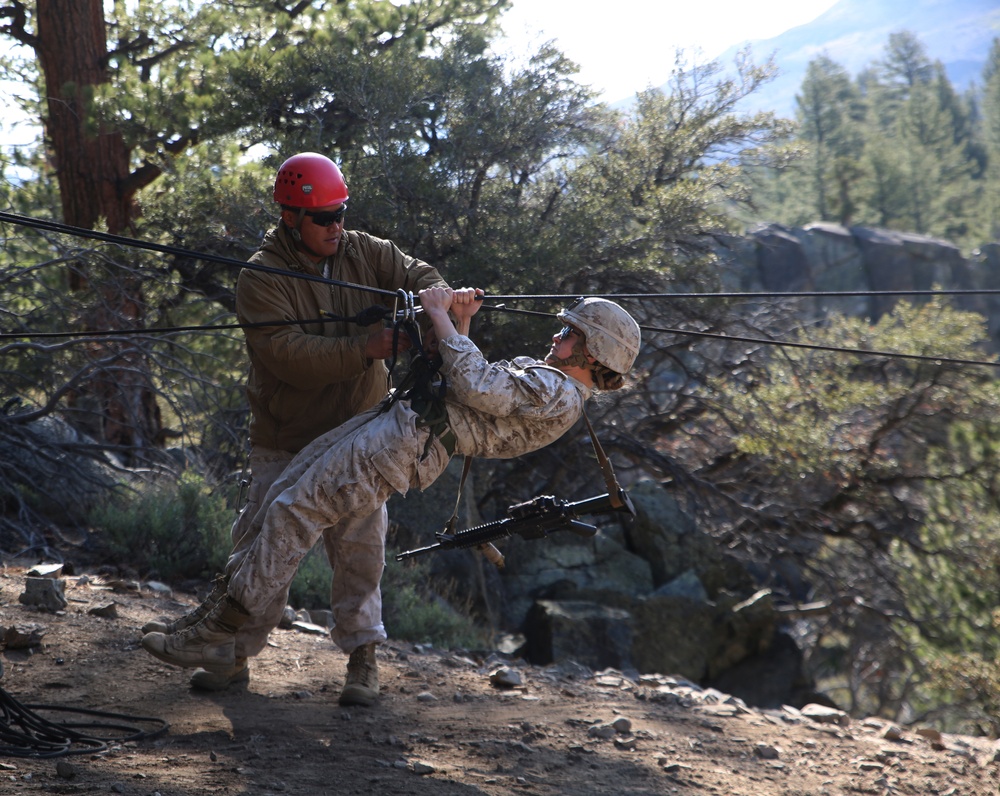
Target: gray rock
point(667, 537)
point(45, 593)
point(672, 635)
point(589, 633)
point(687, 585)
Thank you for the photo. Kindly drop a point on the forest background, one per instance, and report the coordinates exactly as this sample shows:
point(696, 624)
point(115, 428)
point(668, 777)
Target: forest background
point(863, 484)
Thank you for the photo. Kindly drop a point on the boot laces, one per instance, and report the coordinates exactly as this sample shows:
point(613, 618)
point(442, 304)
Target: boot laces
point(202, 610)
point(195, 630)
point(362, 667)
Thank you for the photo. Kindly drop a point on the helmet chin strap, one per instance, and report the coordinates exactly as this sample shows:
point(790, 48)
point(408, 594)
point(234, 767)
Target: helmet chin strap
point(577, 357)
point(604, 379)
point(296, 235)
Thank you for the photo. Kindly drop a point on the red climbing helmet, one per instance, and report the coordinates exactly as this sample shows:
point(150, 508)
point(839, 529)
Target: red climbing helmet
point(309, 180)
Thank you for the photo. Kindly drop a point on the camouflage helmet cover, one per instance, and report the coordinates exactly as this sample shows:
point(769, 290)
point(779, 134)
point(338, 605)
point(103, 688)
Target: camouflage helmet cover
point(612, 335)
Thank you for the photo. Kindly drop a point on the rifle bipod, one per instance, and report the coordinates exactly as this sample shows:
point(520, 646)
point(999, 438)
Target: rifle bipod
point(533, 519)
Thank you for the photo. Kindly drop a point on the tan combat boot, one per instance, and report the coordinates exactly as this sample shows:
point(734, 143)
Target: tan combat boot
point(204, 680)
point(210, 644)
point(193, 617)
point(361, 685)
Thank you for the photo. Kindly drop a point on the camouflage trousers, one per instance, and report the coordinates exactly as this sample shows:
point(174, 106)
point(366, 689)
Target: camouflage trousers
point(336, 488)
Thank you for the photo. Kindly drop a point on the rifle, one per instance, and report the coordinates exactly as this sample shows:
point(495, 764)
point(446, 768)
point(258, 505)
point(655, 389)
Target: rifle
point(533, 519)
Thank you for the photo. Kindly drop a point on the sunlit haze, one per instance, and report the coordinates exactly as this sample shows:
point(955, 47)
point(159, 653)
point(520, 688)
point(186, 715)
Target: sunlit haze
point(621, 46)
point(625, 46)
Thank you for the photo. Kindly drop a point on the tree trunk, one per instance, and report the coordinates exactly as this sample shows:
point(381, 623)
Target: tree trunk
point(91, 162)
point(92, 167)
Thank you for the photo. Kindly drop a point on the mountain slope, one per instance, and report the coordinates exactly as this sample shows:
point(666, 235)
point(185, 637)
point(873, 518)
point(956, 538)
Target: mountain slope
point(854, 33)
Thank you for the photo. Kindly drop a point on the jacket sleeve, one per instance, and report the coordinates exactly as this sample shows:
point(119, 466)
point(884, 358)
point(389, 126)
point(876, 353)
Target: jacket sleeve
point(497, 389)
point(304, 360)
point(397, 270)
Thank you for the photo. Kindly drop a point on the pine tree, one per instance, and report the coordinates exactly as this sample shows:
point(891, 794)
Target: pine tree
point(917, 162)
point(827, 111)
point(989, 217)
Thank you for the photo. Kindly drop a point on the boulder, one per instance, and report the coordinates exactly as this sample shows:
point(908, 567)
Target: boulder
point(781, 260)
point(898, 261)
point(743, 628)
point(563, 563)
point(837, 265)
point(666, 537)
point(673, 635)
point(591, 634)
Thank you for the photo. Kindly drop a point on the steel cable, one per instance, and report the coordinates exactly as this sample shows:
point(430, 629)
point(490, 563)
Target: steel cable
point(53, 226)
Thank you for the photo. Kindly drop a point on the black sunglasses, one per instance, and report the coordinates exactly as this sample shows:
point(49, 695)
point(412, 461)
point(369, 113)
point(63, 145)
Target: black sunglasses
point(324, 218)
point(566, 331)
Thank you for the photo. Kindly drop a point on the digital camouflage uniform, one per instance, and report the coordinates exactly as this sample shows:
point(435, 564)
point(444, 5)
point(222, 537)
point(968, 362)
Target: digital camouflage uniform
point(495, 410)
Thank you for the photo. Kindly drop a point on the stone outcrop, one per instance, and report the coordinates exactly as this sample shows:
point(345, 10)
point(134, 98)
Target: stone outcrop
point(698, 617)
point(656, 594)
point(830, 258)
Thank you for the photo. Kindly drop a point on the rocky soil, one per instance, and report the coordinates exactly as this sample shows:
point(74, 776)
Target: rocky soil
point(449, 722)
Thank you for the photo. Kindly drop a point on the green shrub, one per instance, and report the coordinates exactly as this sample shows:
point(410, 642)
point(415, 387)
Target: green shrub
point(413, 612)
point(310, 587)
point(410, 610)
point(173, 531)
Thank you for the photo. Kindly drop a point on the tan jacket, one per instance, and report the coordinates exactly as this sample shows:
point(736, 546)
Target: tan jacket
point(306, 379)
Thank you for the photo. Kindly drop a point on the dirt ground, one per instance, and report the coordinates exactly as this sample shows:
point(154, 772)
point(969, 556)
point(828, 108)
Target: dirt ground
point(444, 724)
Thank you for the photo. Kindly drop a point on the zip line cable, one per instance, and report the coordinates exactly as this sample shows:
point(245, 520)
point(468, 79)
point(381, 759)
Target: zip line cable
point(121, 240)
point(836, 349)
point(501, 308)
point(53, 226)
point(781, 295)
point(135, 243)
point(158, 330)
point(783, 343)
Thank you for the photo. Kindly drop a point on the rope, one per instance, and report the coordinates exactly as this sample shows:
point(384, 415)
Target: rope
point(122, 240)
point(24, 733)
point(835, 349)
point(366, 317)
point(53, 226)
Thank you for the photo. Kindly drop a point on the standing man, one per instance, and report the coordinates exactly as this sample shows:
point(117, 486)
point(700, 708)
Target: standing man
point(308, 378)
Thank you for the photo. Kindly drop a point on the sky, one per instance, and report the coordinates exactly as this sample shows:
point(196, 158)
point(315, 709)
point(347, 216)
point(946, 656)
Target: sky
point(621, 46)
point(626, 46)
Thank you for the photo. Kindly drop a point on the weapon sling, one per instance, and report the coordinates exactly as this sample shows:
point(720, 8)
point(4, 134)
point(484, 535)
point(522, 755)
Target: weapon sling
point(615, 500)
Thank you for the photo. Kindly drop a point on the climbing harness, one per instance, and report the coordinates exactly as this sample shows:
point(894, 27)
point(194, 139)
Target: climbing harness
point(424, 386)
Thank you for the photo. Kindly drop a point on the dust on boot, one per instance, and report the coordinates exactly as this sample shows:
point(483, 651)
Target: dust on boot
point(361, 684)
point(209, 644)
point(193, 617)
point(205, 680)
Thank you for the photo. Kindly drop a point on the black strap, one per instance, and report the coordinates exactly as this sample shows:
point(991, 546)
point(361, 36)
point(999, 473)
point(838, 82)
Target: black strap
point(614, 490)
point(489, 551)
point(466, 465)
